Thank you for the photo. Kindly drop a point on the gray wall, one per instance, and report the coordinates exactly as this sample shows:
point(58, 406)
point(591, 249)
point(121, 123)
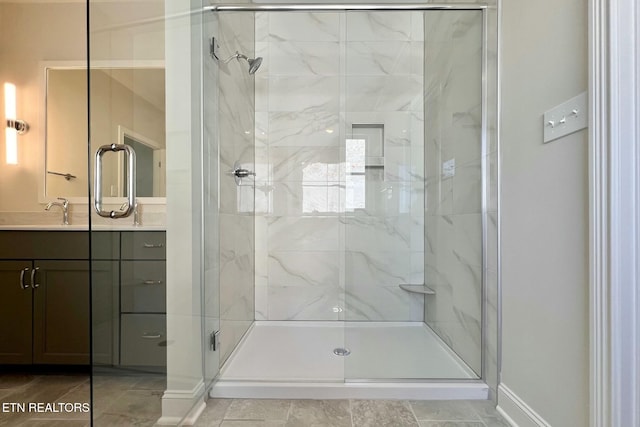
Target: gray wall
point(544, 212)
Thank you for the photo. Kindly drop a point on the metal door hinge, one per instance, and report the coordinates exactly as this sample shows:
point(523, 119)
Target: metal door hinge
point(214, 340)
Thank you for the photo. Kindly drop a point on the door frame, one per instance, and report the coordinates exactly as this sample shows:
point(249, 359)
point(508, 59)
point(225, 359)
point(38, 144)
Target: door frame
point(614, 212)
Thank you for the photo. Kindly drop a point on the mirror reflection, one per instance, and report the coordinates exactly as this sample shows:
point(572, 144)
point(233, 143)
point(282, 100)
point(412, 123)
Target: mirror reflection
point(127, 106)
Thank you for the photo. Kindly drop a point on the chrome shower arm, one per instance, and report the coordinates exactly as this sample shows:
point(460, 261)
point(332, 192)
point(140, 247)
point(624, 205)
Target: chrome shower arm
point(237, 56)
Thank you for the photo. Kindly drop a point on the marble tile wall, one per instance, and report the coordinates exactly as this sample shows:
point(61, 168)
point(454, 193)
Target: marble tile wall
point(235, 133)
point(331, 245)
point(300, 177)
point(453, 208)
point(384, 242)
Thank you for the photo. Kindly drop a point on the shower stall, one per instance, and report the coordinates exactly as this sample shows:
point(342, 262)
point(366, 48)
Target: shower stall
point(352, 264)
point(331, 200)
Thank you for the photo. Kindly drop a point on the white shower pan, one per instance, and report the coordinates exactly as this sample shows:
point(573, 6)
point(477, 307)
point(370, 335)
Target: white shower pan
point(387, 360)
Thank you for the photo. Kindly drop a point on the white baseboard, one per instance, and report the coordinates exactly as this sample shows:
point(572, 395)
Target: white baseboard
point(182, 406)
point(516, 411)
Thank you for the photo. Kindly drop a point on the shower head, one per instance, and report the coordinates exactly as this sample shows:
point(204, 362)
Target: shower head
point(254, 63)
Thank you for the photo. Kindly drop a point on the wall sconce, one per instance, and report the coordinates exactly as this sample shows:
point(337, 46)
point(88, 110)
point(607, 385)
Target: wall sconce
point(15, 127)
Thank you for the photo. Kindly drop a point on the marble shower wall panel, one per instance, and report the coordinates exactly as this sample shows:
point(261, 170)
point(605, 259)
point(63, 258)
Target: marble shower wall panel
point(384, 235)
point(236, 144)
point(322, 73)
point(300, 174)
point(453, 208)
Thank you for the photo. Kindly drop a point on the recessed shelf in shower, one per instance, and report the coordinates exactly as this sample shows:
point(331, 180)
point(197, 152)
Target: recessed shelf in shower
point(373, 136)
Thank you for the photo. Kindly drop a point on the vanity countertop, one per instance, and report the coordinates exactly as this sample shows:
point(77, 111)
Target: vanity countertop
point(79, 227)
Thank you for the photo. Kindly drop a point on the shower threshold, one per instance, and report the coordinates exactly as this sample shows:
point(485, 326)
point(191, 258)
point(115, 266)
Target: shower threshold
point(386, 360)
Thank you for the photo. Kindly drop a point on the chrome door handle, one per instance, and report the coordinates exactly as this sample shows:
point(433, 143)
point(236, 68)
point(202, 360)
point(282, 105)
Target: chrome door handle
point(131, 184)
point(152, 282)
point(22, 273)
point(34, 285)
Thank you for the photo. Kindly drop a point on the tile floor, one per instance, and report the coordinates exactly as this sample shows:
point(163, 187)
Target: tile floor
point(349, 413)
point(135, 401)
point(25, 388)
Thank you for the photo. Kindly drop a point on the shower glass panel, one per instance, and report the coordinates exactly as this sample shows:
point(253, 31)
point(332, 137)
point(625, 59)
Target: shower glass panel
point(229, 129)
point(413, 199)
point(147, 324)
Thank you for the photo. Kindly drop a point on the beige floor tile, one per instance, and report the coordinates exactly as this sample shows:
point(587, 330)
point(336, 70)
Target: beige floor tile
point(488, 413)
point(258, 409)
point(496, 422)
point(158, 383)
point(252, 423)
point(48, 388)
point(141, 404)
point(451, 424)
point(444, 410)
point(54, 423)
point(11, 381)
point(382, 413)
point(319, 413)
point(119, 420)
point(213, 414)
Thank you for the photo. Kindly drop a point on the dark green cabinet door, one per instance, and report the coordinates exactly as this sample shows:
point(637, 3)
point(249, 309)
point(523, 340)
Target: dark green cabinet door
point(105, 278)
point(61, 313)
point(15, 313)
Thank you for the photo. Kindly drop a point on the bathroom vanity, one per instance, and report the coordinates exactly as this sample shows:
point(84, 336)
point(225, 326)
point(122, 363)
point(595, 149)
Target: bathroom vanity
point(45, 296)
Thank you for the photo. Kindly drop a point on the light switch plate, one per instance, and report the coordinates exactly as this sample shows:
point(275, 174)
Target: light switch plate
point(568, 117)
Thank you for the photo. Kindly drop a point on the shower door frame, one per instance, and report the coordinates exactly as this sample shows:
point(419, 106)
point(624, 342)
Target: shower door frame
point(486, 87)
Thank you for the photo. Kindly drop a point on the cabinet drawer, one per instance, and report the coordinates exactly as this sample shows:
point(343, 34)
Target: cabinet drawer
point(144, 245)
point(143, 340)
point(143, 287)
point(44, 245)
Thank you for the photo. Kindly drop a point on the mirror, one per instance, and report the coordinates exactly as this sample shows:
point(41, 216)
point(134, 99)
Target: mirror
point(127, 107)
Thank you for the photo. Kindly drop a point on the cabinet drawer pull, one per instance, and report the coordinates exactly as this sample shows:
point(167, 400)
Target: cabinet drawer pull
point(151, 335)
point(34, 272)
point(152, 282)
point(22, 273)
point(153, 245)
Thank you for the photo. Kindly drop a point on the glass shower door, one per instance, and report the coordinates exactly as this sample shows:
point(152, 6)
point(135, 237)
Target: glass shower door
point(413, 225)
point(127, 155)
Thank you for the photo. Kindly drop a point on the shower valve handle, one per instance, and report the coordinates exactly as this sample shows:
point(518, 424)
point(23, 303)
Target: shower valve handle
point(243, 173)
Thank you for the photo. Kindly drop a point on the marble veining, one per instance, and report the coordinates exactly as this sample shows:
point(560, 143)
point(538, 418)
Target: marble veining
point(295, 58)
point(302, 26)
point(235, 115)
point(378, 26)
point(379, 58)
point(304, 128)
point(326, 72)
point(304, 269)
point(453, 214)
point(305, 302)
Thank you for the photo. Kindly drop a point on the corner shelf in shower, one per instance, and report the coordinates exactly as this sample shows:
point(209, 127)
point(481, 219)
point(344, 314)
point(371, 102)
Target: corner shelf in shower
point(418, 289)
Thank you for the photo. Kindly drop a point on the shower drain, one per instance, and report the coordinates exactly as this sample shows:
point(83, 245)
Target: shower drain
point(341, 351)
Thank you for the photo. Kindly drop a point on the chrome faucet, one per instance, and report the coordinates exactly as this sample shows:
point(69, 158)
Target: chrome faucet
point(64, 205)
point(136, 212)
